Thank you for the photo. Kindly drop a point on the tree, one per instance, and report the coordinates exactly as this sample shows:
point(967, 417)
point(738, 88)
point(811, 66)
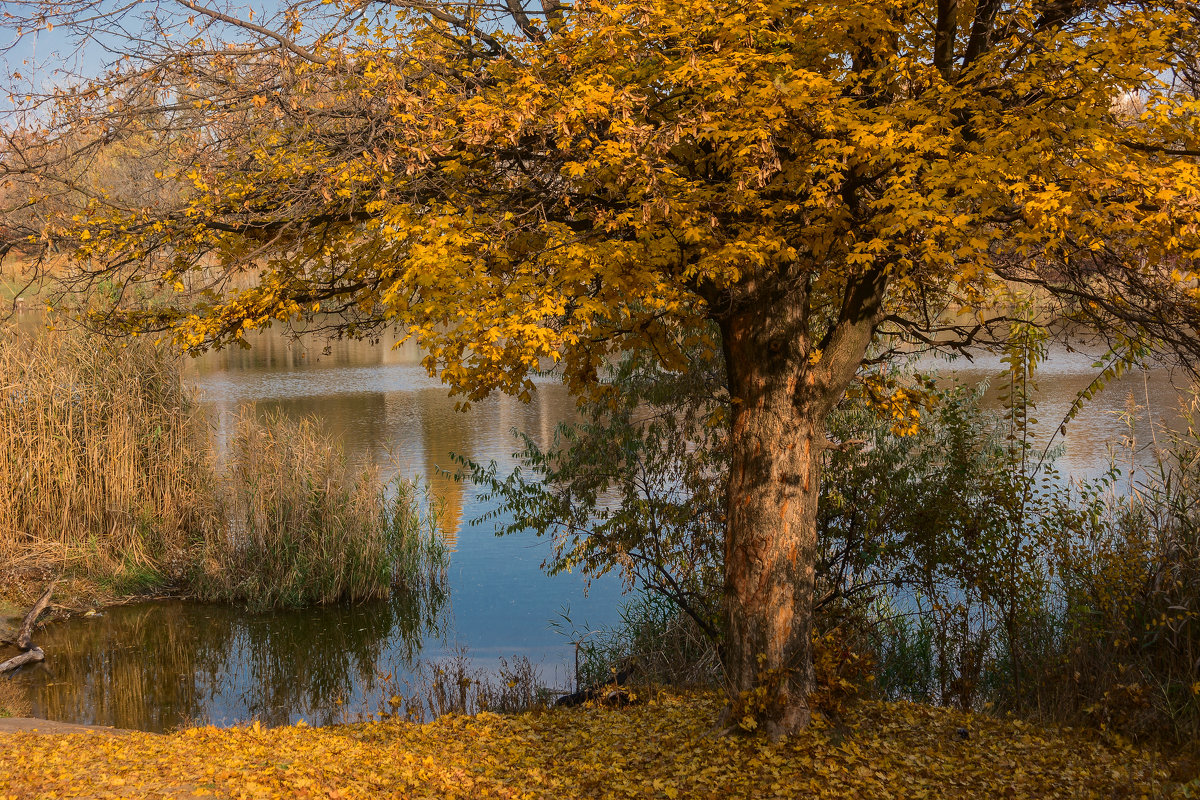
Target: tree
point(519, 186)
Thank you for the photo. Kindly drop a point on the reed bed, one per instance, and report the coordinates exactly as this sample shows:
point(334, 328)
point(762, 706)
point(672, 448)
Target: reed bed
point(305, 527)
point(103, 455)
point(107, 472)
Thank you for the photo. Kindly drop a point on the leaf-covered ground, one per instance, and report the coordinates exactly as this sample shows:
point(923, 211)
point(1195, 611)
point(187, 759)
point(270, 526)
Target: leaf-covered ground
point(664, 748)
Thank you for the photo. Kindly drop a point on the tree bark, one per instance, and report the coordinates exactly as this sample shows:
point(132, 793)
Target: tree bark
point(783, 385)
point(770, 546)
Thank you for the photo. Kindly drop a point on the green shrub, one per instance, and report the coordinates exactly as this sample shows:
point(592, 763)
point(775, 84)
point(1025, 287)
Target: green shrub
point(952, 554)
point(662, 645)
point(1125, 621)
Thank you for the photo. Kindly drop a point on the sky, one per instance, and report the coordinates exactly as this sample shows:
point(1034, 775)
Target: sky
point(52, 55)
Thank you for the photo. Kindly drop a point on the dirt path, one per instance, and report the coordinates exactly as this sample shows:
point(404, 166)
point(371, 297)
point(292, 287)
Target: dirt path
point(29, 724)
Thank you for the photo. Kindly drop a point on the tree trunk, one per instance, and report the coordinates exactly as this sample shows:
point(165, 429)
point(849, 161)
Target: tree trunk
point(770, 545)
point(782, 387)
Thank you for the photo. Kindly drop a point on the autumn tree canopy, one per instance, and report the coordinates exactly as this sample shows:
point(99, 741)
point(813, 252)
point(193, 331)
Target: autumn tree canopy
point(520, 184)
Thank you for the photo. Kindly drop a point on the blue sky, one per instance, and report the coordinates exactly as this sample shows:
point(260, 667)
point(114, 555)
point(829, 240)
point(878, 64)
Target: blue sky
point(53, 55)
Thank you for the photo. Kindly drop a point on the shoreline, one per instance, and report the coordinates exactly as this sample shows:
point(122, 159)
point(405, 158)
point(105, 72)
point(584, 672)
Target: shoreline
point(73, 595)
point(49, 726)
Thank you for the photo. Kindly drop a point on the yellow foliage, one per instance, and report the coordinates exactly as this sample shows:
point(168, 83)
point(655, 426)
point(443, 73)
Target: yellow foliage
point(664, 748)
point(902, 404)
point(842, 672)
point(583, 193)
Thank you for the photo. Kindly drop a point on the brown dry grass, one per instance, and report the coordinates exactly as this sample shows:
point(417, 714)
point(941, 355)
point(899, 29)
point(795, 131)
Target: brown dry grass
point(103, 456)
point(304, 526)
point(107, 478)
point(13, 702)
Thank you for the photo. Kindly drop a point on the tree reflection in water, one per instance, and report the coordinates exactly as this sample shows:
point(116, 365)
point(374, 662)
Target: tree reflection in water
point(157, 666)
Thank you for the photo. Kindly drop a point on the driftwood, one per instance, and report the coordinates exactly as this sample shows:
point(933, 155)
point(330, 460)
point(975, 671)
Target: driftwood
point(25, 636)
point(28, 657)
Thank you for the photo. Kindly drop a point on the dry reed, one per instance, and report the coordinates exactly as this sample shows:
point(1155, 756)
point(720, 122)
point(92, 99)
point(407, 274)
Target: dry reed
point(103, 454)
point(107, 472)
point(303, 526)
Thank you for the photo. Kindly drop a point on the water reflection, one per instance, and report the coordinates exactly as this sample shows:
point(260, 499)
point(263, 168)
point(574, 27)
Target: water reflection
point(161, 665)
point(380, 403)
point(384, 408)
point(1123, 421)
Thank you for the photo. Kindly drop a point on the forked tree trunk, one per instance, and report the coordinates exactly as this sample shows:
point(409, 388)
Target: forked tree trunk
point(782, 389)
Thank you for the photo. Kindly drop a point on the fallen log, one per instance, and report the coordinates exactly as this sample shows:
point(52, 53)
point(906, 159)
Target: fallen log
point(25, 636)
point(609, 693)
point(28, 657)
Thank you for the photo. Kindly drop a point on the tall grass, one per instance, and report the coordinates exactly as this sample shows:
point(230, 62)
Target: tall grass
point(304, 527)
point(664, 647)
point(103, 455)
point(107, 472)
point(455, 685)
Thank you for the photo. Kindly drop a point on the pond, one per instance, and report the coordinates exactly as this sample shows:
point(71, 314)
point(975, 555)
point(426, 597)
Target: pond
point(158, 666)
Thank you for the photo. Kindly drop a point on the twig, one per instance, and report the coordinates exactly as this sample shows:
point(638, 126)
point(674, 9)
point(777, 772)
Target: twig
point(843, 446)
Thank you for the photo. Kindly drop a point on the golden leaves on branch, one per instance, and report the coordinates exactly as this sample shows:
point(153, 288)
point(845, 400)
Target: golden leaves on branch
point(588, 191)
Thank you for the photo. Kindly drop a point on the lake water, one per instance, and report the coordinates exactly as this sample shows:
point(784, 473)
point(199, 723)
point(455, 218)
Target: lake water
point(160, 665)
